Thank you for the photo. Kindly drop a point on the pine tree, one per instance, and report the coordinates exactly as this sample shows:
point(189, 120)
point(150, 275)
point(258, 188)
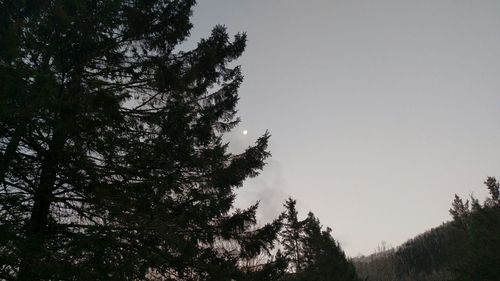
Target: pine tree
point(292, 236)
point(480, 242)
point(112, 161)
point(324, 259)
point(494, 189)
point(459, 209)
point(312, 252)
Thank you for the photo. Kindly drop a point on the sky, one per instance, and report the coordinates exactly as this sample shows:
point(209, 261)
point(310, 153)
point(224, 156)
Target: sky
point(379, 111)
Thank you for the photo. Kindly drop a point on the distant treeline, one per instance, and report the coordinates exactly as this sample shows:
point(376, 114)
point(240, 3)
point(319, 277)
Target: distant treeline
point(465, 249)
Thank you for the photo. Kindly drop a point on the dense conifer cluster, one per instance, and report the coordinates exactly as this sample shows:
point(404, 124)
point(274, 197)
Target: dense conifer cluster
point(112, 159)
point(467, 248)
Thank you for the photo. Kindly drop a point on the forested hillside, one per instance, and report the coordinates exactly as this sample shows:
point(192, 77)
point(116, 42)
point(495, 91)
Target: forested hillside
point(467, 248)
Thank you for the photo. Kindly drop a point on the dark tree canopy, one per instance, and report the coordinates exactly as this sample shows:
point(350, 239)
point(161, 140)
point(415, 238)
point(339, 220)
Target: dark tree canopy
point(324, 259)
point(292, 236)
point(312, 252)
point(479, 239)
point(465, 249)
point(112, 163)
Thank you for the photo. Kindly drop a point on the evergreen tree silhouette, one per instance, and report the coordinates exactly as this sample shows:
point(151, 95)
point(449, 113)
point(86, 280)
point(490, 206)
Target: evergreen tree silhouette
point(292, 236)
point(480, 240)
point(312, 252)
point(112, 161)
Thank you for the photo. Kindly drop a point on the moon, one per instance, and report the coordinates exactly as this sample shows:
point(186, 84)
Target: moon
point(245, 132)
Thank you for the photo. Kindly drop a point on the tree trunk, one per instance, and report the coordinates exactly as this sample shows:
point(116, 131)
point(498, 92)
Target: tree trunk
point(33, 253)
point(9, 154)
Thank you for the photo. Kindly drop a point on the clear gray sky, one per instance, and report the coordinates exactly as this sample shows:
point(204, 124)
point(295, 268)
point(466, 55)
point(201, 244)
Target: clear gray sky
point(379, 110)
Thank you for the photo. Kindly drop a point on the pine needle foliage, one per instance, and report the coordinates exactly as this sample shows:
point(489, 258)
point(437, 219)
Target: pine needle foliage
point(112, 159)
